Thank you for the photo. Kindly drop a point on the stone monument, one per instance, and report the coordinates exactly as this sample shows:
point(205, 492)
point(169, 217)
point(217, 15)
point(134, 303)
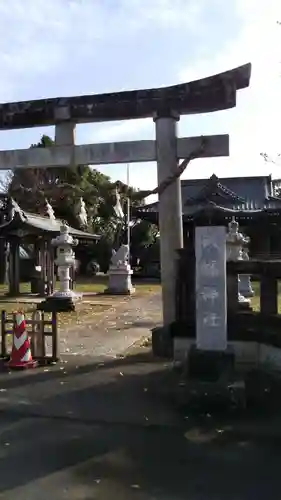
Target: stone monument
point(120, 273)
point(210, 359)
point(235, 242)
point(64, 299)
point(211, 310)
point(209, 377)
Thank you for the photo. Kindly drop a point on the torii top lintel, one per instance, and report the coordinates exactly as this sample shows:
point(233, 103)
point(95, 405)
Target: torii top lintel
point(214, 93)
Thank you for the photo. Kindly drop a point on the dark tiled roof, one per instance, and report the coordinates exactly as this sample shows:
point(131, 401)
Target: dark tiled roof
point(43, 224)
point(255, 188)
point(232, 194)
point(214, 190)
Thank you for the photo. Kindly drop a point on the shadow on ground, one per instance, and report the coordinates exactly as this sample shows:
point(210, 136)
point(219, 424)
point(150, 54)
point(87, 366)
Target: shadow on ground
point(115, 430)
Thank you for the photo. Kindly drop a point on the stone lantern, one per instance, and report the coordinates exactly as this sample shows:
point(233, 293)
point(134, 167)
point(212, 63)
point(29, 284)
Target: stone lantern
point(64, 299)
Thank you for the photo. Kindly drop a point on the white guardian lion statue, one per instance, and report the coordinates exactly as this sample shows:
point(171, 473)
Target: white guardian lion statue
point(120, 258)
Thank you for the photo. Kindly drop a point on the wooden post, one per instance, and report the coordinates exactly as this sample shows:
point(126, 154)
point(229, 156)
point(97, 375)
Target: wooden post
point(50, 268)
point(42, 260)
point(36, 252)
point(3, 245)
point(55, 338)
point(37, 338)
point(232, 293)
point(14, 288)
point(268, 294)
point(3, 334)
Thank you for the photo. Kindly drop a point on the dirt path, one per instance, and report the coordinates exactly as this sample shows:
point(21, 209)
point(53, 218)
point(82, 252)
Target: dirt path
point(116, 329)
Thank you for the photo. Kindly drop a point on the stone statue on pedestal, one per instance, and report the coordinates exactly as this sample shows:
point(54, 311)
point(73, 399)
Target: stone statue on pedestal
point(121, 257)
point(120, 272)
point(235, 241)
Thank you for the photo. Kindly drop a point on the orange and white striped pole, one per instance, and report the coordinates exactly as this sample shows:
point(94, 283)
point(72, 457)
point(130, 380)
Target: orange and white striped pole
point(21, 356)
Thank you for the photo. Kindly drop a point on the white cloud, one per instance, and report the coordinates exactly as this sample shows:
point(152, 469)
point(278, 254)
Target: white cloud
point(39, 36)
point(167, 13)
point(254, 124)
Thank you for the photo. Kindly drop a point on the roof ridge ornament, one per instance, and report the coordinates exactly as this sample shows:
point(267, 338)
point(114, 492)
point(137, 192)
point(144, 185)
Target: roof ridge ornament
point(82, 212)
point(16, 209)
point(49, 210)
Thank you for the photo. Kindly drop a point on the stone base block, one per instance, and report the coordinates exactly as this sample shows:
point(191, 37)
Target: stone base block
point(119, 281)
point(248, 294)
point(162, 342)
point(209, 382)
point(209, 365)
point(244, 306)
point(57, 304)
point(115, 291)
point(209, 397)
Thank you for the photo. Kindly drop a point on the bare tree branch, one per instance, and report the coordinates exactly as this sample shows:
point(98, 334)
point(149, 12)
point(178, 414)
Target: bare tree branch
point(169, 180)
point(269, 159)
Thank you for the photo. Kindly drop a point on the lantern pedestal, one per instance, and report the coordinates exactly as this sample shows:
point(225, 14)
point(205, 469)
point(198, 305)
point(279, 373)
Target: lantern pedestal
point(59, 303)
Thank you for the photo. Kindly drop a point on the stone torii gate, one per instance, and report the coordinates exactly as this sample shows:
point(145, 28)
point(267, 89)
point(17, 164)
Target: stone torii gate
point(165, 105)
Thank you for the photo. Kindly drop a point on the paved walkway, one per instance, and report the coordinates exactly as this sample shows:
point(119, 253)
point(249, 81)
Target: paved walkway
point(100, 430)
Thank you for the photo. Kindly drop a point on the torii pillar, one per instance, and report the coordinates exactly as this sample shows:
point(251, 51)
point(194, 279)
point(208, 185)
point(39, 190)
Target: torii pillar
point(170, 210)
point(65, 135)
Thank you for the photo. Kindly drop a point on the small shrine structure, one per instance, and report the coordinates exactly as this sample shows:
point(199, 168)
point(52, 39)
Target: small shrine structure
point(17, 227)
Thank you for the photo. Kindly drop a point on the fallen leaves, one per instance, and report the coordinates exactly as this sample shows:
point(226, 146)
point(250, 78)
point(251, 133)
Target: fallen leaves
point(84, 312)
point(146, 342)
point(199, 435)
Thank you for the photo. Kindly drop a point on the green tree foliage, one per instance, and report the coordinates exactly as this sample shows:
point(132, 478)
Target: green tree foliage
point(60, 186)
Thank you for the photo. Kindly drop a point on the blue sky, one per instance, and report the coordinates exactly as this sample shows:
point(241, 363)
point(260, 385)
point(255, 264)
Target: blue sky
point(74, 47)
